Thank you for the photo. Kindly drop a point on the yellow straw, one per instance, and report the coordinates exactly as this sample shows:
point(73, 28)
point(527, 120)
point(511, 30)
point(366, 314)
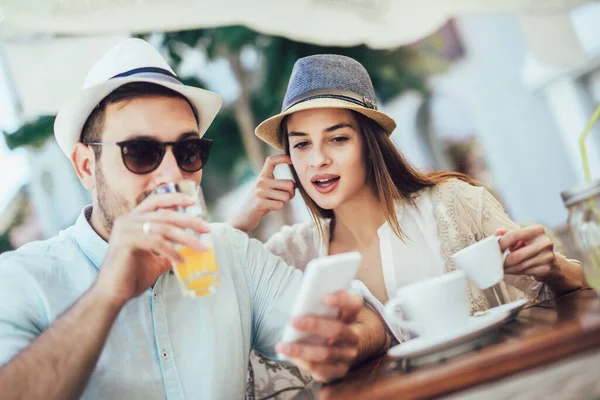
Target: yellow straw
point(586, 131)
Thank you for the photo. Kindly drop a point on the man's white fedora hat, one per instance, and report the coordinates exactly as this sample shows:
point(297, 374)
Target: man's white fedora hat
point(133, 60)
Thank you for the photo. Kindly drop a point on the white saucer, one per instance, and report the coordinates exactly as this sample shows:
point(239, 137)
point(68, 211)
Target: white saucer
point(476, 327)
point(514, 307)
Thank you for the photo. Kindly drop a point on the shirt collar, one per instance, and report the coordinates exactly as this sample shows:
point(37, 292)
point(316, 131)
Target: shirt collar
point(90, 243)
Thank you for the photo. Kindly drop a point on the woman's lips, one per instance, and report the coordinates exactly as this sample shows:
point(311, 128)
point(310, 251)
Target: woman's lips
point(326, 185)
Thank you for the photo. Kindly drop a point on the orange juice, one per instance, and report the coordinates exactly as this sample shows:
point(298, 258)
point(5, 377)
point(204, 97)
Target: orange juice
point(198, 273)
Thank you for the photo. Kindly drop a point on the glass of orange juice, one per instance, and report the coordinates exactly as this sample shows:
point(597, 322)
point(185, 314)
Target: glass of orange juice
point(198, 275)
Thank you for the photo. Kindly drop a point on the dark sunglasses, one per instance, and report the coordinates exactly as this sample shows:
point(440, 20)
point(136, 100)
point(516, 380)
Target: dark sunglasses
point(144, 155)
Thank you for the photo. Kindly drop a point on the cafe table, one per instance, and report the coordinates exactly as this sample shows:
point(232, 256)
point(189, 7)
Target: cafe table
point(551, 350)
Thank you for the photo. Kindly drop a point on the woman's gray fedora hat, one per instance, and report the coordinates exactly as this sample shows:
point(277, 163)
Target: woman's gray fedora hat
point(326, 81)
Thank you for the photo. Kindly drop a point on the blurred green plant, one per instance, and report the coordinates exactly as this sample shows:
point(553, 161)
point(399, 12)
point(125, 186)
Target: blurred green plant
point(5, 244)
point(33, 134)
point(19, 207)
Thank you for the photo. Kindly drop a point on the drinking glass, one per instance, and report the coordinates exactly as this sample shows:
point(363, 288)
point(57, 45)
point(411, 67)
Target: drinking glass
point(198, 274)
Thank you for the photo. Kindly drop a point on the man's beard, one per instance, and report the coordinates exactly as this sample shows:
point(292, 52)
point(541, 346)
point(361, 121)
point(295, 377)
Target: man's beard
point(110, 204)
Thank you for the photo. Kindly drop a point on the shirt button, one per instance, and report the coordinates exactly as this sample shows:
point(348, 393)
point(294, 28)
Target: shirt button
point(165, 355)
point(155, 296)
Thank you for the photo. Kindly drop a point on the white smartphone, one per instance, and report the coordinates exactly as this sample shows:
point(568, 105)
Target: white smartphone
point(322, 276)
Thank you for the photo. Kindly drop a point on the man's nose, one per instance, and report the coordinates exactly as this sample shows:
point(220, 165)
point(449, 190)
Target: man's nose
point(168, 170)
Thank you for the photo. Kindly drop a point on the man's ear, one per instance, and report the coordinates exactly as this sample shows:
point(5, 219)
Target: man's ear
point(84, 162)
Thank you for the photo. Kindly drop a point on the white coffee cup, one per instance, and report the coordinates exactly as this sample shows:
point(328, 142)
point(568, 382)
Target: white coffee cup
point(483, 262)
point(432, 307)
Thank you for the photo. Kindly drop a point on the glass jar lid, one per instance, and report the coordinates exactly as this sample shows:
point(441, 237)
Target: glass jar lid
point(580, 193)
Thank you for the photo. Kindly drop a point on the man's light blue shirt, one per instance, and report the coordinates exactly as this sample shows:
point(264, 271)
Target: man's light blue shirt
point(162, 345)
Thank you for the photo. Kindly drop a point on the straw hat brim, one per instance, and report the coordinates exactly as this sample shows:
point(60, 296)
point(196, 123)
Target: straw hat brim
point(268, 130)
point(76, 110)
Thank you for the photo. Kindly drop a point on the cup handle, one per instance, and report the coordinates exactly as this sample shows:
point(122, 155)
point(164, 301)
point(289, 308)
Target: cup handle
point(390, 313)
point(506, 252)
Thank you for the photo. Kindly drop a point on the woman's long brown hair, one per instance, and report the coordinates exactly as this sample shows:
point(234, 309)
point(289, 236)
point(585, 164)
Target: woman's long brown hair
point(393, 179)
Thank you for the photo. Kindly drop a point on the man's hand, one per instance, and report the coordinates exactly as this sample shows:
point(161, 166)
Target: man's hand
point(136, 258)
point(268, 194)
point(332, 360)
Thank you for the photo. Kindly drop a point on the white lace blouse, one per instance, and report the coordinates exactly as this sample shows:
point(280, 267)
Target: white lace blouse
point(438, 222)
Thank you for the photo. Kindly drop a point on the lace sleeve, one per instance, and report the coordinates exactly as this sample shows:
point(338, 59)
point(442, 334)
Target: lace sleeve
point(296, 244)
point(467, 214)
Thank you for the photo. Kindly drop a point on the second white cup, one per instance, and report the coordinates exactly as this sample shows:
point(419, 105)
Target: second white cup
point(432, 307)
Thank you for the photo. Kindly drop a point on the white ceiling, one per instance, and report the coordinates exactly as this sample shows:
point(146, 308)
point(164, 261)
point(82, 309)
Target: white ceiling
point(378, 23)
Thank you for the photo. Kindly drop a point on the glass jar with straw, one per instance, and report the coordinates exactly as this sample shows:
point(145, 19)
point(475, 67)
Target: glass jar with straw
point(583, 203)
